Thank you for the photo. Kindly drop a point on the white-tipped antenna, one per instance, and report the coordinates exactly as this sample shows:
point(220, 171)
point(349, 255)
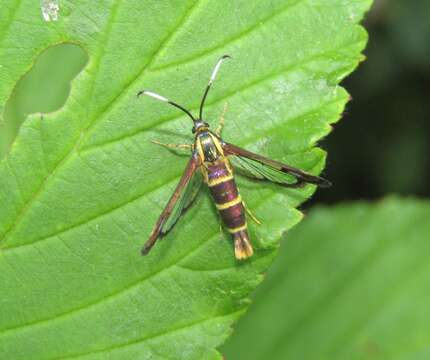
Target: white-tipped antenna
point(162, 98)
point(154, 95)
point(211, 80)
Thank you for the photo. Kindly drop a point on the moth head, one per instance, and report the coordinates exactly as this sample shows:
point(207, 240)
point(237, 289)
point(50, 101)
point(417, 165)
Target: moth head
point(199, 126)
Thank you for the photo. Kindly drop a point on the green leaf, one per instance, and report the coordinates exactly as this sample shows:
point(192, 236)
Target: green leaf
point(43, 89)
point(82, 187)
point(350, 283)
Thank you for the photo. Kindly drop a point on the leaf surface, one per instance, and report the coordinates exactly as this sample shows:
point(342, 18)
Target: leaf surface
point(351, 282)
point(82, 187)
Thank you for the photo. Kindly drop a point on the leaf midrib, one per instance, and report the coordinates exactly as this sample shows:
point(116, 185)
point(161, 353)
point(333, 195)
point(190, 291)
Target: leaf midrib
point(86, 132)
point(153, 189)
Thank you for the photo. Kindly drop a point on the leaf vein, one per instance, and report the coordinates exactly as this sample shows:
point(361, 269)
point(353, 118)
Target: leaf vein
point(134, 79)
point(175, 263)
point(42, 186)
point(230, 40)
point(228, 95)
point(8, 23)
point(154, 336)
point(145, 193)
point(110, 296)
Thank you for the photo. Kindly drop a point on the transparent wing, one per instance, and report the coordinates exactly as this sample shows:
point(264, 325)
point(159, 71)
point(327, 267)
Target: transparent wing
point(187, 197)
point(181, 199)
point(260, 167)
point(253, 169)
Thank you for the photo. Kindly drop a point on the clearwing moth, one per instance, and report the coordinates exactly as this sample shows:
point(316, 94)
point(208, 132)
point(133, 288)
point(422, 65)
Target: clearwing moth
point(213, 157)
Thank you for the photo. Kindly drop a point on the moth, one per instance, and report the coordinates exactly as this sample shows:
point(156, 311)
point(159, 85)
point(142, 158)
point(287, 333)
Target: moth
point(213, 158)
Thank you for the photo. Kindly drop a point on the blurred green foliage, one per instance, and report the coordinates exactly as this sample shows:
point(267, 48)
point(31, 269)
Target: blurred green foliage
point(345, 286)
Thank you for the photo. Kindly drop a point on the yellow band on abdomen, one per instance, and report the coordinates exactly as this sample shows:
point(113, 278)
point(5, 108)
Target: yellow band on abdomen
point(220, 180)
point(229, 204)
point(237, 229)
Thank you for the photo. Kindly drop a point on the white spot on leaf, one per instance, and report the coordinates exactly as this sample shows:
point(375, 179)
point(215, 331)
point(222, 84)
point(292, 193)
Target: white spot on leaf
point(50, 9)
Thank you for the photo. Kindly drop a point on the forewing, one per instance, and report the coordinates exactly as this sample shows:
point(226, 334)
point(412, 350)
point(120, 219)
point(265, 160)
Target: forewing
point(260, 167)
point(256, 170)
point(181, 199)
point(188, 195)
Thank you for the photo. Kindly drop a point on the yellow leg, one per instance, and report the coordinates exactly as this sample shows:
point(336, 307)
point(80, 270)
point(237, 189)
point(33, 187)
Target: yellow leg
point(221, 121)
point(251, 215)
point(221, 225)
point(221, 228)
point(173, 146)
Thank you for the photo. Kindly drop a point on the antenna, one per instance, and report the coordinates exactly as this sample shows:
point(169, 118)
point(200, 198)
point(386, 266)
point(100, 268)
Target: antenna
point(162, 98)
point(211, 80)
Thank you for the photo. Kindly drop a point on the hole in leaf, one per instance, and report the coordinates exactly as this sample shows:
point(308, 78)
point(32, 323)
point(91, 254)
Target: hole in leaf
point(43, 89)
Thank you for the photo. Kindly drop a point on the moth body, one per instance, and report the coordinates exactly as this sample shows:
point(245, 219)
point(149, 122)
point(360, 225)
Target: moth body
point(218, 175)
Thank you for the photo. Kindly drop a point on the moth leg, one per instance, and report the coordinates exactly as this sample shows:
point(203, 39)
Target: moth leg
point(173, 146)
point(251, 215)
point(221, 121)
point(221, 226)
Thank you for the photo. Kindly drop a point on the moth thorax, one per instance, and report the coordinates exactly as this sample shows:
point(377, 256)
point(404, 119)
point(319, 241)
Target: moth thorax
point(209, 149)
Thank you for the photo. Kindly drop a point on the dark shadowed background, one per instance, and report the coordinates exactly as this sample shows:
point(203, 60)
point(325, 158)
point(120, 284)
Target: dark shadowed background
point(381, 145)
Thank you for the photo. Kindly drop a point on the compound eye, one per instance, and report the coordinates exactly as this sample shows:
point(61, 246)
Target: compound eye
point(194, 130)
